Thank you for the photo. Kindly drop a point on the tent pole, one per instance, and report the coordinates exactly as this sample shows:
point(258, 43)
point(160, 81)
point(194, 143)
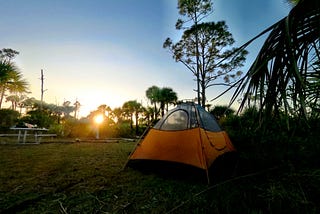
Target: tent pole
point(202, 148)
point(208, 177)
point(203, 157)
point(137, 144)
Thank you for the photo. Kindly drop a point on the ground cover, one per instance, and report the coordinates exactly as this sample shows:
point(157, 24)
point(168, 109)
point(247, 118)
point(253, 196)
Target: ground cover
point(89, 178)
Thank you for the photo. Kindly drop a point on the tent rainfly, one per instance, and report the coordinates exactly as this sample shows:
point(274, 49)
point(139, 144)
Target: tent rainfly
point(187, 134)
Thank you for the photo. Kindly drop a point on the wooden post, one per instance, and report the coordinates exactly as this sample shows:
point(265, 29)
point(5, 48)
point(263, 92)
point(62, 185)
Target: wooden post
point(42, 91)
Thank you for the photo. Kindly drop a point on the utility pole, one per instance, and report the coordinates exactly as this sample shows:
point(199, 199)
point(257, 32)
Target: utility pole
point(76, 108)
point(42, 90)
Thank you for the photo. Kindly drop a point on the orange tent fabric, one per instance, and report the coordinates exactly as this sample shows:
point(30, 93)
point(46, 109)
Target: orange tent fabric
point(195, 147)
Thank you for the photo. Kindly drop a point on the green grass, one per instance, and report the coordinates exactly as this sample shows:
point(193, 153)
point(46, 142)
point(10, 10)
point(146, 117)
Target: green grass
point(89, 178)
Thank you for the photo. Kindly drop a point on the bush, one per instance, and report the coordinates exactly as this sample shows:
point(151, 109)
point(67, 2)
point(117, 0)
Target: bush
point(8, 118)
point(76, 128)
point(37, 117)
point(280, 140)
point(124, 130)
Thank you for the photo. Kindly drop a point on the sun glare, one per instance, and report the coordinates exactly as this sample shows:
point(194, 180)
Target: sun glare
point(98, 119)
point(91, 99)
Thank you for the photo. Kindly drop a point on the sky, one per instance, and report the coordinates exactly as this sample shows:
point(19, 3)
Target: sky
point(110, 51)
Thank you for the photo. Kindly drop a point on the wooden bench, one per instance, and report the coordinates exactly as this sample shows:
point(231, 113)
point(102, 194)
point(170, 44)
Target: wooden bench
point(37, 133)
point(46, 135)
point(37, 137)
point(9, 135)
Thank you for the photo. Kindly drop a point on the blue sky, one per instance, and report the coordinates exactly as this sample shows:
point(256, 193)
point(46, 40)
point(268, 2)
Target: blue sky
point(110, 51)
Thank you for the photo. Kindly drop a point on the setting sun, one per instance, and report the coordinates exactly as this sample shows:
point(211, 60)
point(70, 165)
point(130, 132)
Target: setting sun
point(98, 119)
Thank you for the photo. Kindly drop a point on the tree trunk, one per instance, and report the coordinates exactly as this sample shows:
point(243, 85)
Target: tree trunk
point(162, 106)
point(131, 121)
point(137, 125)
point(197, 59)
point(2, 95)
point(203, 94)
point(155, 110)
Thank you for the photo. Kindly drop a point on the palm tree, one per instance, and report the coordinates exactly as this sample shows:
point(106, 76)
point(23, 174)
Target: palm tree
point(14, 99)
point(220, 111)
point(131, 108)
point(28, 103)
point(285, 76)
point(164, 96)
point(67, 108)
point(18, 87)
point(117, 114)
point(167, 96)
point(5, 69)
point(21, 102)
point(149, 114)
point(8, 76)
point(77, 106)
point(153, 94)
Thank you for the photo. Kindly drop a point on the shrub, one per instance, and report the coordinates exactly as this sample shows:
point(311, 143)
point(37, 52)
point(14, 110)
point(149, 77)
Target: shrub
point(8, 118)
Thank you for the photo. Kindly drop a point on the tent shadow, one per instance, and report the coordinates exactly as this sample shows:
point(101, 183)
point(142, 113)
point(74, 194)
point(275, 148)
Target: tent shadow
point(170, 170)
point(222, 169)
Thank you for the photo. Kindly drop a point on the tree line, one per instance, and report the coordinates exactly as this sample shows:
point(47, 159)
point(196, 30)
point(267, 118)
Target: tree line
point(128, 120)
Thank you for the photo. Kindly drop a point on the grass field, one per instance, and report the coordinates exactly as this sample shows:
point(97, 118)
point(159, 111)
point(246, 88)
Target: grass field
point(89, 178)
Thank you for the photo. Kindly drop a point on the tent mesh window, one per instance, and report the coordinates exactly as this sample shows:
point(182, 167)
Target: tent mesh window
point(180, 118)
point(177, 120)
point(208, 122)
point(188, 116)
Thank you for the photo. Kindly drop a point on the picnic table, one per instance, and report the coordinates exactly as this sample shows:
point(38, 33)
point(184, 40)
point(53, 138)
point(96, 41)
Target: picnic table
point(36, 132)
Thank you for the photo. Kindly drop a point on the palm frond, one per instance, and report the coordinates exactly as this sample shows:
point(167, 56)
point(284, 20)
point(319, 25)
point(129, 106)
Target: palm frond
point(279, 77)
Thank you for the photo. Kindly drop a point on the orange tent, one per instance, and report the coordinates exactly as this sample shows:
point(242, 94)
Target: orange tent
point(187, 134)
